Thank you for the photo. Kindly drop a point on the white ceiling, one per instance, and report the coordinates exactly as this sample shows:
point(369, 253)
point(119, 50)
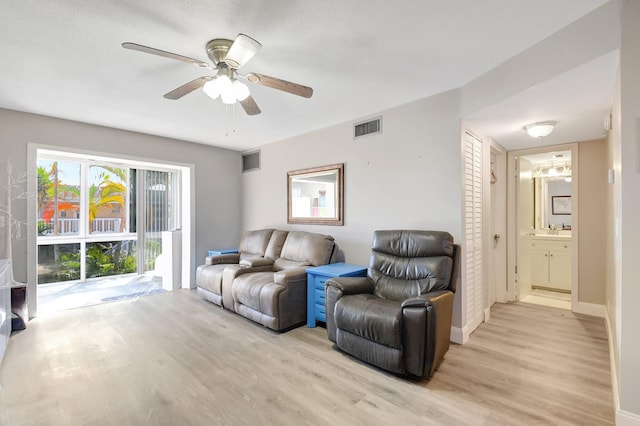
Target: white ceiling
point(63, 58)
point(577, 100)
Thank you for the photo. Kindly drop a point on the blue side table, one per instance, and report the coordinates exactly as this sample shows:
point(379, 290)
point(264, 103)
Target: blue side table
point(316, 277)
point(221, 251)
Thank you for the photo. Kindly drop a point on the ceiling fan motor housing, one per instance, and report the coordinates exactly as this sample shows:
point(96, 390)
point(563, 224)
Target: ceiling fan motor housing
point(217, 49)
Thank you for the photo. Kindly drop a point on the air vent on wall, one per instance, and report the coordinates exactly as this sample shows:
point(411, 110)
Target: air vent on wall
point(251, 161)
point(367, 128)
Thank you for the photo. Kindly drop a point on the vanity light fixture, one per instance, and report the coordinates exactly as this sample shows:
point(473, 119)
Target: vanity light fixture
point(540, 130)
point(554, 171)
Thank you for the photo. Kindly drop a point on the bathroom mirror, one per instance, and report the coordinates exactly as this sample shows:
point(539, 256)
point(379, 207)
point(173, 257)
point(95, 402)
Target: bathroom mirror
point(551, 177)
point(315, 195)
point(552, 202)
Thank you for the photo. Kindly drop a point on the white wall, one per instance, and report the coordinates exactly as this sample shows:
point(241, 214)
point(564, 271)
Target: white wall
point(629, 223)
point(614, 245)
point(408, 177)
point(592, 198)
point(217, 172)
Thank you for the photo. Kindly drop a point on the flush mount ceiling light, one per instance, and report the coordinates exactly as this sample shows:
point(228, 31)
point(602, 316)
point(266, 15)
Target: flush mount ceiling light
point(540, 130)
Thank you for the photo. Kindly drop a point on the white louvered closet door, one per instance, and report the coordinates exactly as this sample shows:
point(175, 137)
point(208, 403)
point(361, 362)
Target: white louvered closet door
point(473, 306)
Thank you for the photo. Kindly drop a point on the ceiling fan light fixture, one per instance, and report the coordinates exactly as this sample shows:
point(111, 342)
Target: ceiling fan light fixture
point(240, 90)
point(211, 89)
point(540, 130)
point(223, 83)
point(228, 97)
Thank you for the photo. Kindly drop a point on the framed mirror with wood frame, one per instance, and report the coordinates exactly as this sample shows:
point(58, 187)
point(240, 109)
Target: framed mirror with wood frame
point(315, 196)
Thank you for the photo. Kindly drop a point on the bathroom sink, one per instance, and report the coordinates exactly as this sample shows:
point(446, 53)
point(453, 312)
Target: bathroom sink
point(552, 236)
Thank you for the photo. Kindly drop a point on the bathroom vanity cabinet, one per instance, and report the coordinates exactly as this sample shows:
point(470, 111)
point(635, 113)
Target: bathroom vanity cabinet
point(551, 262)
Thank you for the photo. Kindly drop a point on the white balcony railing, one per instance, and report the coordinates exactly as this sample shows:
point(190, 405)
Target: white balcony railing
point(72, 226)
point(105, 225)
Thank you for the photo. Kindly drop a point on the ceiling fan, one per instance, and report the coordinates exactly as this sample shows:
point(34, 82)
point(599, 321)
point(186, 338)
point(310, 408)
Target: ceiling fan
point(227, 56)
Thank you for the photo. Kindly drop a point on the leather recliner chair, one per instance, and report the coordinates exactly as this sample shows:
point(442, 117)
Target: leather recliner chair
point(398, 317)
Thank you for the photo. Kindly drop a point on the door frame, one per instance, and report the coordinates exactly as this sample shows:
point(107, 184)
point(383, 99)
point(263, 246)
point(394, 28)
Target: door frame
point(498, 214)
point(512, 254)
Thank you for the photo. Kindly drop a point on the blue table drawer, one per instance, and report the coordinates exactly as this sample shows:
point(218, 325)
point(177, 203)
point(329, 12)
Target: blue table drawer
point(316, 279)
point(321, 314)
point(320, 281)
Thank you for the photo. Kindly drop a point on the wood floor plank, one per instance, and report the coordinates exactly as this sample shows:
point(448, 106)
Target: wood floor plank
point(174, 358)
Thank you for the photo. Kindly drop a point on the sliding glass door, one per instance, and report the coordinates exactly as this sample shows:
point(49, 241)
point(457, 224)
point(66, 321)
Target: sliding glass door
point(157, 198)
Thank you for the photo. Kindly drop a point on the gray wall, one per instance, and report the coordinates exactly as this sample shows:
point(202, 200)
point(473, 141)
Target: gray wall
point(217, 172)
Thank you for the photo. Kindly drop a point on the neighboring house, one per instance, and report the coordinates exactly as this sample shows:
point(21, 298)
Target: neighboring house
point(407, 177)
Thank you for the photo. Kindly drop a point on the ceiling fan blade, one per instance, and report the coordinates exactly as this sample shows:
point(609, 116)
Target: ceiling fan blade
point(276, 83)
point(185, 89)
point(242, 49)
point(250, 106)
point(147, 49)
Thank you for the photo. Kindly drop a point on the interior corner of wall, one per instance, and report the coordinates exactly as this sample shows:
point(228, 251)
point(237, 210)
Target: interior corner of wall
point(458, 336)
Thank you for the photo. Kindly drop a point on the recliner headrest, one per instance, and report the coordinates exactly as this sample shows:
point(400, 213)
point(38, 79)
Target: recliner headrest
point(403, 243)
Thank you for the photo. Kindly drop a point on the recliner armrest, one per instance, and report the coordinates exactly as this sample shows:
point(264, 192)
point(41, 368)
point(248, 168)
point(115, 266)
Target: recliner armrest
point(337, 287)
point(230, 258)
point(425, 300)
point(427, 331)
point(351, 285)
point(254, 262)
point(292, 275)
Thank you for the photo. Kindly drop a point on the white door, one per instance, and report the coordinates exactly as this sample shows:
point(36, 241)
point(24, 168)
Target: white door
point(473, 283)
point(560, 269)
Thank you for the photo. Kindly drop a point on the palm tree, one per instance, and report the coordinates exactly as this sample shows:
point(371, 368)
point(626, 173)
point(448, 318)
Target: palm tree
point(53, 196)
point(111, 193)
point(108, 192)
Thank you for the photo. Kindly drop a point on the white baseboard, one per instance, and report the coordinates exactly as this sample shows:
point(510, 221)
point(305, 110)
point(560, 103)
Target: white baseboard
point(461, 335)
point(623, 418)
point(612, 362)
point(592, 309)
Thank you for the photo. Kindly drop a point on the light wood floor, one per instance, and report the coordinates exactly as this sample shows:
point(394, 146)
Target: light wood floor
point(174, 359)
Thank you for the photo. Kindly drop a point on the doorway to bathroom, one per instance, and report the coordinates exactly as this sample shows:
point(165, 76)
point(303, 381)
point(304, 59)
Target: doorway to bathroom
point(543, 266)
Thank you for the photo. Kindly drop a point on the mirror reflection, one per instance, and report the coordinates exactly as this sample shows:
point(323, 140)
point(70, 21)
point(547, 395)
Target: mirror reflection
point(552, 192)
point(315, 195)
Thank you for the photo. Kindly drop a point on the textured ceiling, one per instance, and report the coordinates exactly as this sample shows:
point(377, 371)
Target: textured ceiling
point(64, 58)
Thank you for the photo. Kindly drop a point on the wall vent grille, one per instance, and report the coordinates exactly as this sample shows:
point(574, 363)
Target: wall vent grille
point(368, 127)
point(251, 161)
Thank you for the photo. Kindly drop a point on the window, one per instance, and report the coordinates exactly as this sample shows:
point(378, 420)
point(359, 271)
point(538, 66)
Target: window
point(93, 215)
